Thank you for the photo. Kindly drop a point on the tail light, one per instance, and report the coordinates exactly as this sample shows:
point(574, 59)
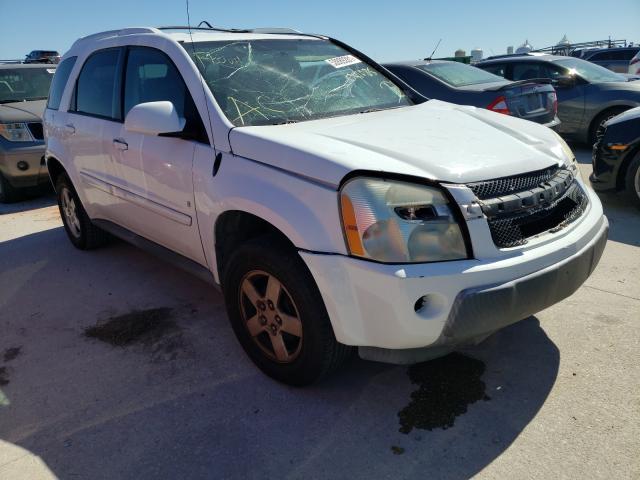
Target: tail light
point(634, 60)
point(499, 105)
point(554, 98)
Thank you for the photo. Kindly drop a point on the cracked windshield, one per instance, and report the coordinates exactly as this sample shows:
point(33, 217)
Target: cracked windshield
point(270, 82)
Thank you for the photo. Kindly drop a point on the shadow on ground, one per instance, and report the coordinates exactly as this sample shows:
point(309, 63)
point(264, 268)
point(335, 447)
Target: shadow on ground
point(31, 202)
point(90, 409)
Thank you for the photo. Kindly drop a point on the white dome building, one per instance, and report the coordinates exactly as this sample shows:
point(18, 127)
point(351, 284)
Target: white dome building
point(524, 48)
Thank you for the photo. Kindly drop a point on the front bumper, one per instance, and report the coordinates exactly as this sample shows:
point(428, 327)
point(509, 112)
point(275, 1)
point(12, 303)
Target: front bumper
point(394, 311)
point(32, 154)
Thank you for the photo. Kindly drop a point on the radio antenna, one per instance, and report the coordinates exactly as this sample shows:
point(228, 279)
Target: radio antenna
point(432, 53)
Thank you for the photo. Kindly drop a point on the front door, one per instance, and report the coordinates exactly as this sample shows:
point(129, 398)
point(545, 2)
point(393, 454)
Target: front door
point(154, 173)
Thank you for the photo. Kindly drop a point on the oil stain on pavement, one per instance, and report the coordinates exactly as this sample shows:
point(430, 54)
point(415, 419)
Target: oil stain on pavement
point(154, 329)
point(4, 376)
point(12, 353)
point(446, 386)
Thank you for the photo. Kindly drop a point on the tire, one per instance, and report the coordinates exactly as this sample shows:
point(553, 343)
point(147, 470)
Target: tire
point(82, 233)
point(600, 119)
point(8, 194)
point(632, 181)
point(301, 348)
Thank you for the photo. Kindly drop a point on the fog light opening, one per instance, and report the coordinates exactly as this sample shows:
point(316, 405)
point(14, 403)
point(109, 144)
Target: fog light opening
point(430, 305)
point(22, 165)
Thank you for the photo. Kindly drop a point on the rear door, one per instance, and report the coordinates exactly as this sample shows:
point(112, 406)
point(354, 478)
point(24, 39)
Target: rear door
point(93, 119)
point(154, 173)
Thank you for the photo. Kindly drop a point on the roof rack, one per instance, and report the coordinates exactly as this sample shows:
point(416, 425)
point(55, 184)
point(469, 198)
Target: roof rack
point(569, 48)
point(208, 27)
point(115, 33)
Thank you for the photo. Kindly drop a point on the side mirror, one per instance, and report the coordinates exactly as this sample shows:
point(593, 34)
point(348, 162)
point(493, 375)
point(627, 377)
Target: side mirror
point(564, 81)
point(154, 118)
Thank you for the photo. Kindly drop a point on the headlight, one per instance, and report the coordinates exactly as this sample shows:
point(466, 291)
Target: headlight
point(398, 222)
point(568, 155)
point(16, 132)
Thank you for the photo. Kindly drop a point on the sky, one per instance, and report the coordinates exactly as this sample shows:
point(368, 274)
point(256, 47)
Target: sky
point(397, 30)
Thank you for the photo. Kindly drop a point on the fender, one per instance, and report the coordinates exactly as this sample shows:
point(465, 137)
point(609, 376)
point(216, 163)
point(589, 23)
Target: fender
point(306, 213)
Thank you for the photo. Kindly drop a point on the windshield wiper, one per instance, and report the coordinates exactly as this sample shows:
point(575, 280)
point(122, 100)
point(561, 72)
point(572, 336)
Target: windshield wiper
point(285, 122)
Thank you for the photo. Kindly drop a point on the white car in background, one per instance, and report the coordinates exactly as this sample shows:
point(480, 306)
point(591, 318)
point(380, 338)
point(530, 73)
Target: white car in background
point(634, 65)
point(333, 205)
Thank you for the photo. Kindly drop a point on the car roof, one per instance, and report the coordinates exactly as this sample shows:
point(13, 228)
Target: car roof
point(524, 58)
point(186, 34)
point(13, 66)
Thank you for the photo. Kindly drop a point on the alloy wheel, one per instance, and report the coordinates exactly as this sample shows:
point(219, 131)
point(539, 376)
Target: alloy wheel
point(70, 211)
point(270, 316)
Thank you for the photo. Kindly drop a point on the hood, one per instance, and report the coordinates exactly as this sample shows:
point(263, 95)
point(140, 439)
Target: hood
point(22, 111)
point(435, 140)
point(631, 114)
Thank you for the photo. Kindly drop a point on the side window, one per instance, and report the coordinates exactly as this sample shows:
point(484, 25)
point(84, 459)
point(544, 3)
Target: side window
point(554, 71)
point(98, 86)
point(59, 81)
point(622, 54)
point(527, 71)
point(152, 77)
point(497, 69)
point(600, 57)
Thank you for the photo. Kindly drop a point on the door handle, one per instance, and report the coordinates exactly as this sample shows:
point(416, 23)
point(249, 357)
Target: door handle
point(120, 144)
point(70, 129)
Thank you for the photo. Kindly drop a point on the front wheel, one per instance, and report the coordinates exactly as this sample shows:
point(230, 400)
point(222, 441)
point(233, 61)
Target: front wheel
point(278, 315)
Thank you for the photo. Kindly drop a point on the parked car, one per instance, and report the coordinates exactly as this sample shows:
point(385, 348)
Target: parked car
point(42, 56)
point(333, 205)
point(23, 92)
point(616, 155)
point(615, 59)
point(466, 85)
point(588, 94)
point(634, 65)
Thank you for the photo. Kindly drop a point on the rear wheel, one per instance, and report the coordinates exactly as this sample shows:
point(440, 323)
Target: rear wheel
point(632, 180)
point(8, 194)
point(82, 233)
point(278, 315)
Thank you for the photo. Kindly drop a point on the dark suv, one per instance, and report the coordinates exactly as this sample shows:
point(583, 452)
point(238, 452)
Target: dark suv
point(23, 94)
point(615, 59)
point(588, 94)
point(42, 56)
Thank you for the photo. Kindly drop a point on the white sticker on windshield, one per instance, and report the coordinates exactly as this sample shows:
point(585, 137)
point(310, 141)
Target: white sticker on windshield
point(344, 61)
point(51, 70)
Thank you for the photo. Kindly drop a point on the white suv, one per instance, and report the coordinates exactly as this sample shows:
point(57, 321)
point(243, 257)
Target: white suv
point(333, 205)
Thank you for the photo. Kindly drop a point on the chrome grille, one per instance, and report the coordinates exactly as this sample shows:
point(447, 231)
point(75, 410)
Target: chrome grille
point(507, 185)
point(522, 213)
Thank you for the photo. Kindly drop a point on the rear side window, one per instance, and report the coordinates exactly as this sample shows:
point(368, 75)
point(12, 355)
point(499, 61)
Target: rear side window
point(496, 68)
point(60, 80)
point(527, 71)
point(98, 87)
point(152, 77)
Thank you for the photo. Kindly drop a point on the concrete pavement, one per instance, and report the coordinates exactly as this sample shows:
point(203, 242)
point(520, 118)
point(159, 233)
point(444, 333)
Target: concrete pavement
point(563, 387)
